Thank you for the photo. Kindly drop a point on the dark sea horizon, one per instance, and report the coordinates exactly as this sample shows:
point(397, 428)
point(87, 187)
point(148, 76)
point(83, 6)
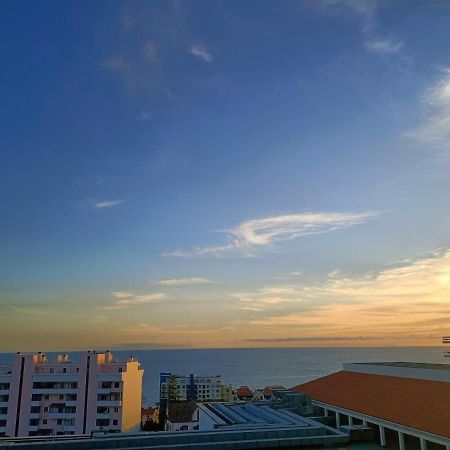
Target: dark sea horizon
point(259, 367)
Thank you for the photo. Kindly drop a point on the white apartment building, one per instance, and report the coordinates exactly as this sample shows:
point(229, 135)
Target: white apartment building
point(39, 397)
point(194, 387)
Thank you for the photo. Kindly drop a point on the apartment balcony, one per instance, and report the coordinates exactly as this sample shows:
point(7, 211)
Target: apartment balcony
point(109, 403)
point(47, 377)
point(59, 391)
point(110, 376)
point(61, 415)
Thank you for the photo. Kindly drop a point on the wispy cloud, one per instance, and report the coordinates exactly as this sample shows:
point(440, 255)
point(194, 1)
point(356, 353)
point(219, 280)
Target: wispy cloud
point(127, 21)
point(201, 52)
point(366, 10)
point(108, 203)
point(116, 64)
point(150, 52)
point(383, 46)
point(257, 234)
point(129, 299)
point(435, 127)
point(185, 281)
point(145, 116)
point(394, 302)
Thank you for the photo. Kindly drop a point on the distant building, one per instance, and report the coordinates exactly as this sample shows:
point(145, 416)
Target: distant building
point(244, 394)
point(175, 387)
point(408, 404)
point(149, 415)
point(267, 393)
point(181, 416)
point(41, 398)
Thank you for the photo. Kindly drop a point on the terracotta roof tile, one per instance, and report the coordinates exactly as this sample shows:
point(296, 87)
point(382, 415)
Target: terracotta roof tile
point(419, 404)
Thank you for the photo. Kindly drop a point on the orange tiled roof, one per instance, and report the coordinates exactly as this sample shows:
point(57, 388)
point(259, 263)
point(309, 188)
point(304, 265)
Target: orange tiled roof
point(147, 411)
point(420, 404)
point(244, 390)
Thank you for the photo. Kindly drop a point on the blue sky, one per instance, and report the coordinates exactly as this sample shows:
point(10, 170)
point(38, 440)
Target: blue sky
point(204, 173)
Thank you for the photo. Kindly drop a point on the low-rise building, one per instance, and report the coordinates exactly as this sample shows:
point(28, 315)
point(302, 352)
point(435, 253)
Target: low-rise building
point(243, 393)
point(405, 403)
point(149, 415)
point(266, 394)
point(176, 387)
point(40, 397)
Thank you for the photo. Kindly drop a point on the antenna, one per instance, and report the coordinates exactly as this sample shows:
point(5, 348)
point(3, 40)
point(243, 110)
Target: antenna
point(446, 340)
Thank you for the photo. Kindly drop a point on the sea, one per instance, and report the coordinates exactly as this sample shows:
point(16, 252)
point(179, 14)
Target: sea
point(259, 367)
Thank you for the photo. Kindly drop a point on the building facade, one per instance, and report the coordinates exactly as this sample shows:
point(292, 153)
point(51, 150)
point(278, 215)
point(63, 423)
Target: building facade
point(406, 402)
point(175, 387)
point(39, 397)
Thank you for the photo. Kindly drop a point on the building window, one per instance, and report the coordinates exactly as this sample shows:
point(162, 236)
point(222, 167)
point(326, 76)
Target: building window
point(44, 421)
point(64, 369)
point(36, 397)
point(46, 397)
point(4, 398)
point(116, 384)
point(45, 408)
point(115, 422)
point(34, 422)
point(116, 409)
point(35, 409)
point(102, 410)
point(59, 421)
point(102, 422)
point(61, 397)
point(4, 386)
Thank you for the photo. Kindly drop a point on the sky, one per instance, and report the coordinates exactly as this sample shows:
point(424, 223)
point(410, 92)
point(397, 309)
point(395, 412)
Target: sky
point(208, 173)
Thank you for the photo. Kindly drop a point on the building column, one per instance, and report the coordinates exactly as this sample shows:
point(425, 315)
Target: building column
point(382, 436)
point(338, 421)
point(364, 423)
point(423, 444)
point(401, 440)
point(350, 420)
point(326, 412)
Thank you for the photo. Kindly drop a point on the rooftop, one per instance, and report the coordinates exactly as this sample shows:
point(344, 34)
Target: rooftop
point(416, 403)
point(412, 365)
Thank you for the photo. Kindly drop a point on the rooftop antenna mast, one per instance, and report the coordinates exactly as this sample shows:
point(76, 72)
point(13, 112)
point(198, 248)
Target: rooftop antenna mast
point(446, 340)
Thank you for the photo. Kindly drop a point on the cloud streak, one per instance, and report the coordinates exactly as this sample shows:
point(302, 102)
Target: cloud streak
point(128, 299)
point(116, 64)
point(435, 127)
point(366, 10)
point(383, 46)
point(177, 282)
point(201, 52)
point(254, 235)
point(108, 203)
point(393, 303)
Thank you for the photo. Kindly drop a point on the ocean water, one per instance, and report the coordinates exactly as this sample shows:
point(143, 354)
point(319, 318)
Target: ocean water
point(259, 367)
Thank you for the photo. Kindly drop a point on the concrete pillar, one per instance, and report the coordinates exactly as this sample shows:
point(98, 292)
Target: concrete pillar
point(326, 412)
point(401, 440)
point(364, 423)
point(382, 436)
point(350, 420)
point(338, 421)
point(423, 444)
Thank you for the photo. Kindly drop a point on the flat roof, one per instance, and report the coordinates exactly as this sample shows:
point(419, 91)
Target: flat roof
point(411, 365)
point(415, 403)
